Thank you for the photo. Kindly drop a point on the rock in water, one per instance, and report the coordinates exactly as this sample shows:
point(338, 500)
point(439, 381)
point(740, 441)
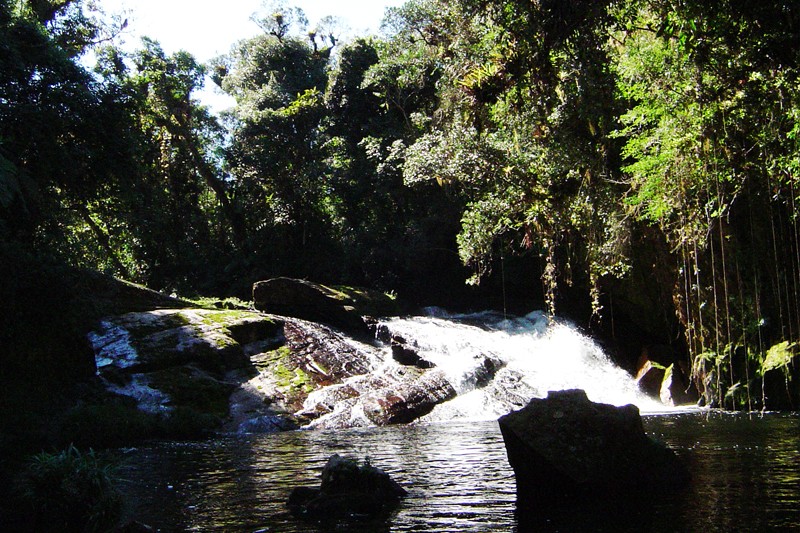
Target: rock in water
point(408, 398)
point(565, 446)
point(348, 490)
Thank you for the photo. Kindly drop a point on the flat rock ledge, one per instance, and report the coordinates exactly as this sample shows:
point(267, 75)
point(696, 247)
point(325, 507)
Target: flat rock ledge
point(565, 448)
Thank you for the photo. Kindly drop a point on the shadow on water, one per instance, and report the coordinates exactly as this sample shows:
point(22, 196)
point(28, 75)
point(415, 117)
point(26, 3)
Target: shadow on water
point(746, 470)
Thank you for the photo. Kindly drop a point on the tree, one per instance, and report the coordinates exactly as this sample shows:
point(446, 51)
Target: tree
point(709, 145)
point(54, 153)
point(278, 81)
point(527, 108)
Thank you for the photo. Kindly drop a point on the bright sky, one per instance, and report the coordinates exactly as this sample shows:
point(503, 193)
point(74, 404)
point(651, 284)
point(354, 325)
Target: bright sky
point(208, 29)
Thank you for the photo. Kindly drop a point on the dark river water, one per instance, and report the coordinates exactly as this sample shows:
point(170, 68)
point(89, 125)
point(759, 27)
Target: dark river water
point(746, 477)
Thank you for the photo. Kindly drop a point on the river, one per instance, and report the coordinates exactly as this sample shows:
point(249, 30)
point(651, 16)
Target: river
point(745, 467)
point(746, 474)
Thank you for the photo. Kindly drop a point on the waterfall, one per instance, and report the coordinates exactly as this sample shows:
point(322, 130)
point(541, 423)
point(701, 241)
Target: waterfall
point(497, 364)
point(432, 368)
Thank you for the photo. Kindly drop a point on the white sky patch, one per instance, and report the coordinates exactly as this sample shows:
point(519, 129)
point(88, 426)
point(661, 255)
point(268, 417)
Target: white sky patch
point(207, 30)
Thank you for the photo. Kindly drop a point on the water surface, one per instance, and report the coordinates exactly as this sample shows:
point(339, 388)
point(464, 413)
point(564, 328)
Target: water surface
point(746, 472)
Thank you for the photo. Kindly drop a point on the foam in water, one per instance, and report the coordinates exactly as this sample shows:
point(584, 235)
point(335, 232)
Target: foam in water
point(498, 364)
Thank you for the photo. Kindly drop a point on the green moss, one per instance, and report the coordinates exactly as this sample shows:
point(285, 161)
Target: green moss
point(368, 302)
point(223, 341)
point(779, 356)
point(224, 318)
point(273, 358)
point(290, 379)
point(205, 302)
point(193, 389)
point(155, 323)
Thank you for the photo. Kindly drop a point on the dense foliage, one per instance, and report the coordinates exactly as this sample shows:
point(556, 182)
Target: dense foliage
point(610, 146)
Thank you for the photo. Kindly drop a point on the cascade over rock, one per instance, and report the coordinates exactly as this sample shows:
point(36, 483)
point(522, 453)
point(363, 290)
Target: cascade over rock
point(408, 399)
point(257, 373)
point(250, 372)
point(565, 446)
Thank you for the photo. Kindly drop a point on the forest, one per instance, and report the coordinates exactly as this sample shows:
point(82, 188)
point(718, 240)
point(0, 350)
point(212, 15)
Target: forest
point(630, 164)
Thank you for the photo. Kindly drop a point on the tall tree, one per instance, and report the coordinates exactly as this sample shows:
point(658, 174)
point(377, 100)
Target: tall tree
point(54, 150)
point(278, 81)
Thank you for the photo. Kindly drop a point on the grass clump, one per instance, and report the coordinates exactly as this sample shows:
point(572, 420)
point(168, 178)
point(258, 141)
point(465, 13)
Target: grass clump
point(71, 490)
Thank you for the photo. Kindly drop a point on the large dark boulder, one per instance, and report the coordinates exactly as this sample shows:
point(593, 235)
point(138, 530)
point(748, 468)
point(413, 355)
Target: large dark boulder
point(338, 307)
point(566, 447)
point(347, 490)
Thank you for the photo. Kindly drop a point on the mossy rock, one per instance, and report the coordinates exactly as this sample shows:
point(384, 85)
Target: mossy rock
point(188, 423)
point(291, 381)
point(192, 388)
point(340, 307)
point(369, 302)
point(212, 339)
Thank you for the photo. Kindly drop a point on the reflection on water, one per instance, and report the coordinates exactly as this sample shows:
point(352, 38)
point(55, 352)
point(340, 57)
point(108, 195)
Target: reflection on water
point(746, 473)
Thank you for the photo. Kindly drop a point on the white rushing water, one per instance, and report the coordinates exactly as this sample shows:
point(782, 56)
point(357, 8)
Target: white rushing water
point(498, 364)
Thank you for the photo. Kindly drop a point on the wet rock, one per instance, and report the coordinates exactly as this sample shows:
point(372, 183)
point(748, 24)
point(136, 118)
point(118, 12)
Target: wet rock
point(565, 447)
point(159, 339)
point(266, 424)
point(134, 526)
point(510, 391)
point(347, 490)
point(782, 387)
point(649, 377)
point(342, 308)
point(197, 361)
point(486, 370)
point(406, 355)
point(312, 360)
point(312, 356)
point(675, 388)
point(381, 331)
point(409, 398)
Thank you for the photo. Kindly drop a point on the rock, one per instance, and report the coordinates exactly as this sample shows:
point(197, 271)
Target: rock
point(485, 371)
point(675, 389)
point(565, 447)
point(311, 360)
point(154, 340)
point(782, 387)
point(266, 424)
point(312, 356)
point(649, 378)
point(408, 399)
point(347, 490)
point(342, 308)
point(406, 355)
point(134, 526)
point(186, 362)
point(511, 390)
